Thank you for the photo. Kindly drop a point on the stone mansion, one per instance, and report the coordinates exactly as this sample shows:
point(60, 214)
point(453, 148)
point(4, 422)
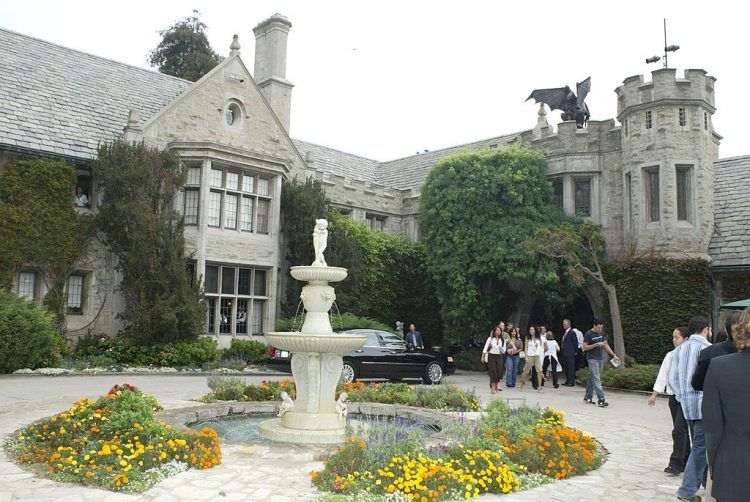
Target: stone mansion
point(652, 179)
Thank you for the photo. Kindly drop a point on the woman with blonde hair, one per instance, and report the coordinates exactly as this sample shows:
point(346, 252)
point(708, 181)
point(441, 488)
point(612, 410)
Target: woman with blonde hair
point(534, 347)
point(726, 417)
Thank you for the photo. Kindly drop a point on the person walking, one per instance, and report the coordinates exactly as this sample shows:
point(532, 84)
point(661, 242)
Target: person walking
point(513, 348)
point(534, 347)
point(684, 362)
point(715, 350)
point(680, 438)
point(550, 358)
point(493, 351)
point(594, 345)
point(569, 348)
point(726, 415)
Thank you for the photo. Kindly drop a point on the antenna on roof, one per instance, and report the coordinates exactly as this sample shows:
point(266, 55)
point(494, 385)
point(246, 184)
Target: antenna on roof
point(667, 49)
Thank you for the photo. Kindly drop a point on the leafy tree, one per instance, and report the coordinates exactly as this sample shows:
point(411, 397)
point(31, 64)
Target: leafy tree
point(582, 248)
point(40, 228)
point(301, 204)
point(141, 227)
point(476, 209)
point(184, 50)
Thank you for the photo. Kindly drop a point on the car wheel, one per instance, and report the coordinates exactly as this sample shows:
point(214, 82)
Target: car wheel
point(348, 373)
point(433, 374)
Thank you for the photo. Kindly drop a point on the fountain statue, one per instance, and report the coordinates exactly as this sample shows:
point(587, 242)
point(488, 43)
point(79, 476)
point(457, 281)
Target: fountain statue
point(315, 416)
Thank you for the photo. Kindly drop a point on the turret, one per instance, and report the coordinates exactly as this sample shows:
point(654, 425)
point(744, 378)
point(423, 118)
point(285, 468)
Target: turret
point(668, 153)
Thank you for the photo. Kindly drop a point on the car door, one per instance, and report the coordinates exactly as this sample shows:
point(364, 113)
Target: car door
point(398, 361)
point(368, 359)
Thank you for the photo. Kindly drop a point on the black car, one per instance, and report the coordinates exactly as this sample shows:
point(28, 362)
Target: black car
point(383, 355)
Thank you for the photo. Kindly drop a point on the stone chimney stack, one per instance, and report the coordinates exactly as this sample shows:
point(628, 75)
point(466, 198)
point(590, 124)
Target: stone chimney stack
point(270, 65)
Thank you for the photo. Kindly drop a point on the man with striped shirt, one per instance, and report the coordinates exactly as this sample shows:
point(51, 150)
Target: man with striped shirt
point(684, 361)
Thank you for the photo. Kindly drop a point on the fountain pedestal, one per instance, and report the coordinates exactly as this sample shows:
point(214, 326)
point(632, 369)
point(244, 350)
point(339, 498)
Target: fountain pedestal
point(316, 364)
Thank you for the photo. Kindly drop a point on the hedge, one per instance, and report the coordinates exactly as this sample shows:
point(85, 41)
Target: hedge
point(656, 295)
point(636, 377)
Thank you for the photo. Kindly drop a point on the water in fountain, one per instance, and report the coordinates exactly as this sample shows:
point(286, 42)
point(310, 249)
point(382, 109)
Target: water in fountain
point(298, 315)
point(336, 317)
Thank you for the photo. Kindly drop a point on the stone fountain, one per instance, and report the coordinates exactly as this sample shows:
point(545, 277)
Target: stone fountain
point(316, 358)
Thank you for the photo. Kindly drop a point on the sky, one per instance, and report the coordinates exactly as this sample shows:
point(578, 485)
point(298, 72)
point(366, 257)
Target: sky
point(389, 79)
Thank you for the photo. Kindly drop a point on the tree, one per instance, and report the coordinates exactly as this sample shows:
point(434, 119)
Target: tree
point(184, 50)
point(301, 205)
point(40, 228)
point(582, 248)
point(476, 209)
point(163, 303)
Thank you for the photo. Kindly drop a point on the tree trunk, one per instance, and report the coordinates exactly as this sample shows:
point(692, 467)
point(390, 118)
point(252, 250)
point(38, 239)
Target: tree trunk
point(524, 305)
point(593, 293)
point(614, 311)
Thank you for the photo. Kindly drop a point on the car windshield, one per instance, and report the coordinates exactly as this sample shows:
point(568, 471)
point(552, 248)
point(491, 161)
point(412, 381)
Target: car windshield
point(393, 341)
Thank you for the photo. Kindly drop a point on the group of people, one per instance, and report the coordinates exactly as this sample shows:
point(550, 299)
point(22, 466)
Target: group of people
point(709, 401)
point(531, 356)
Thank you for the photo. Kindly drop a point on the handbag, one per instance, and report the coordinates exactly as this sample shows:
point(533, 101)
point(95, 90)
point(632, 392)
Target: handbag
point(522, 354)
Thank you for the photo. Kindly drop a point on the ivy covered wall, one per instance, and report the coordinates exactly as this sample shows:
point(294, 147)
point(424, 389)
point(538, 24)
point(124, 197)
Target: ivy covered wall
point(657, 295)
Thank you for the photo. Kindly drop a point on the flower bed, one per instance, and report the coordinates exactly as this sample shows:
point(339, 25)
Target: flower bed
point(505, 451)
point(439, 397)
point(114, 443)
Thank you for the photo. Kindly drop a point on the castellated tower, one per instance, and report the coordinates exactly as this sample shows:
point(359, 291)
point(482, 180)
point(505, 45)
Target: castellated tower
point(270, 65)
point(668, 154)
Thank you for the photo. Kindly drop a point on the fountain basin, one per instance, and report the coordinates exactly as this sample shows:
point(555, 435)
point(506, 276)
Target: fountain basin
point(318, 275)
point(331, 343)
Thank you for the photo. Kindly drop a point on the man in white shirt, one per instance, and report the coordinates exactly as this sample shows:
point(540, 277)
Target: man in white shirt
point(680, 438)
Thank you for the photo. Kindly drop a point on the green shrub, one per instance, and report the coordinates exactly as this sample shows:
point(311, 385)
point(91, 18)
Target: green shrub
point(28, 338)
point(468, 359)
point(252, 351)
point(636, 377)
point(127, 351)
point(338, 322)
point(226, 388)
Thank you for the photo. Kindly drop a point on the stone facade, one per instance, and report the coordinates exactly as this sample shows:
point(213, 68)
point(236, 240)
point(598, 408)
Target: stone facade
point(649, 182)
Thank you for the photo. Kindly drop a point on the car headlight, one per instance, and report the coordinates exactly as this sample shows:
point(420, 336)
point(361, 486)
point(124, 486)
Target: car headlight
point(450, 359)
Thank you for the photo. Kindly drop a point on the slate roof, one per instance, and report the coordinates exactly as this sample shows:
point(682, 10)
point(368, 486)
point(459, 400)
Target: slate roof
point(337, 162)
point(62, 101)
point(411, 172)
point(730, 242)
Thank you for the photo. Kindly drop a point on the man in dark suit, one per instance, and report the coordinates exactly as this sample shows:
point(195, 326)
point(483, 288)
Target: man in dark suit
point(726, 415)
point(414, 338)
point(569, 348)
point(716, 350)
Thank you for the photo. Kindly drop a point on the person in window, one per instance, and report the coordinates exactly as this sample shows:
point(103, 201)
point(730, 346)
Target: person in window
point(80, 199)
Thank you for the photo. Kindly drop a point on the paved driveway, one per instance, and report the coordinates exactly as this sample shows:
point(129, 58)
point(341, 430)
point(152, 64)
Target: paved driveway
point(636, 436)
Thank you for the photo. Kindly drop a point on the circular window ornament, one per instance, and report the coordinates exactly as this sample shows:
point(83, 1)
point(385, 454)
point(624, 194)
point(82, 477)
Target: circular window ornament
point(233, 114)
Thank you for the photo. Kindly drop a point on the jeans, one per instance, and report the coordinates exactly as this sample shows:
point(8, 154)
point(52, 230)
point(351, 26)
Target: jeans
point(511, 369)
point(697, 464)
point(595, 380)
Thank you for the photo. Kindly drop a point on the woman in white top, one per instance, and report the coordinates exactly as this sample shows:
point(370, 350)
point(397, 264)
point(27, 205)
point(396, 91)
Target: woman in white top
point(550, 358)
point(535, 347)
point(493, 351)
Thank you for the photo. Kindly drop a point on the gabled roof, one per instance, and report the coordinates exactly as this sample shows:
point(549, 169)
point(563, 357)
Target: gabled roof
point(322, 158)
point(730, 242)
point(62, 101)
point(411, 172)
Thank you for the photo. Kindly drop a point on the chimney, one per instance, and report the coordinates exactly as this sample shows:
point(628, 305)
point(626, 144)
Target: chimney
point(270, 65)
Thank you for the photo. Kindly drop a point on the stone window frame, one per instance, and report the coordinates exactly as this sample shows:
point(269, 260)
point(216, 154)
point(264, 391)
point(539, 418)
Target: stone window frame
point(628, 200)
point(76, 309)
point(580, 210)
point(220, 298)
point(261, 195)
point(376, 222)
point(652, 194)
point(688, 171)
point(705, 121)
point(649, 119)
